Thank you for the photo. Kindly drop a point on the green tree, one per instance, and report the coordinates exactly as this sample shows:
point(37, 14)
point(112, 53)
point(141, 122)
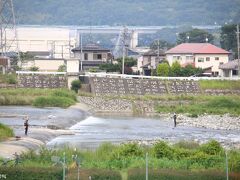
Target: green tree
point(229, 38)
point(162, 44)
point(163, 69)
point(76, 85)
point(176, 69)
point(189, 70)
point(195, 36)
point(33, 68)
point(62, 68)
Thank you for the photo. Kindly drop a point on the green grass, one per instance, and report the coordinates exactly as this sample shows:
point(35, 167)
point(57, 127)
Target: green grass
point(219, 84)
point(8, 78)
point(210, 105)
point(5, 132)
point(38, 97)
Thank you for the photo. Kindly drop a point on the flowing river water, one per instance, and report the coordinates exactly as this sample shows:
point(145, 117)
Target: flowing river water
point(89, 132)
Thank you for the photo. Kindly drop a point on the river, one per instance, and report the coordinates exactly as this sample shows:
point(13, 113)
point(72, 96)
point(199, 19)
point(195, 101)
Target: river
point(88, 132)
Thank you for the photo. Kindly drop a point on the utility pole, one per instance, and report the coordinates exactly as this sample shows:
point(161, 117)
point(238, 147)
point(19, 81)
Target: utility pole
point(158, 51)
point(81, 55)
point(238, 46)
point(125, 30)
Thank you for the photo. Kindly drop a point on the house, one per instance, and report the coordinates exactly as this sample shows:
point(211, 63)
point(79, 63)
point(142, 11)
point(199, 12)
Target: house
point(4, 64)
point(92, 56)
point(200, 55)
point(149, 61)
point(230, 69)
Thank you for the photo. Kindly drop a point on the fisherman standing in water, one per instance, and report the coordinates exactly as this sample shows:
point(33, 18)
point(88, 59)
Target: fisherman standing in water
point(175, 119)
point(26, 125)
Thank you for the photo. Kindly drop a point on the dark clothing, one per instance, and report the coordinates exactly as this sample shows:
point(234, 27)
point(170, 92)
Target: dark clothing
point(26, 127)
point(175, 120)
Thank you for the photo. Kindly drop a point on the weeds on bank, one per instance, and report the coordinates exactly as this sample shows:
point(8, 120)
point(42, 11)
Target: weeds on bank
point(5, 132)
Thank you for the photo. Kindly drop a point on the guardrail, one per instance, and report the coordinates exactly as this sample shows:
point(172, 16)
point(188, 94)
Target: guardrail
point(157, 77)
point(40, 72)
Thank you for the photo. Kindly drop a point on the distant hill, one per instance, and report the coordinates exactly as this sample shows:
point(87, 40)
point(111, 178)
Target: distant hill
point(127, 12)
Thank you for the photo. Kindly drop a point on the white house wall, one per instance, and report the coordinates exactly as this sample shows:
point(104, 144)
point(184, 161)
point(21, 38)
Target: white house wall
point(48, 65)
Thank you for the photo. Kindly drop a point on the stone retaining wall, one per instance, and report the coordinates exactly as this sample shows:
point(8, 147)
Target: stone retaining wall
point(42, 81)
point(118, 86)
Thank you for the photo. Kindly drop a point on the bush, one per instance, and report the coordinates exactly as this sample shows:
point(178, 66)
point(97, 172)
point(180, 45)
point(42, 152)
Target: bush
point(76, 85)
point(29, 173)
point(34, 68)
point(129, 150)
point(212, 148)
point(162, 150)
point(52, 101)
point(11, 79)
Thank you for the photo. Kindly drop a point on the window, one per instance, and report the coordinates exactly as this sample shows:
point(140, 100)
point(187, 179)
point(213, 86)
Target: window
point(189, 58)
point(99, 56)
point(200, 59)
point(220, 63)
point(207, 58)
point(216, 58)
point(85, 56)
point(177, 57)
point(234, 72)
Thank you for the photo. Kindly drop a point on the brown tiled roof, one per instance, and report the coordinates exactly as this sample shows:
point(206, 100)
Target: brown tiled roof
point(230, 65)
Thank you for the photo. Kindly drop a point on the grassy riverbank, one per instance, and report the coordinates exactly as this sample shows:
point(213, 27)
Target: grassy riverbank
point(188, 157)
point(5, 132)
point(38, 97)
point(219, 84)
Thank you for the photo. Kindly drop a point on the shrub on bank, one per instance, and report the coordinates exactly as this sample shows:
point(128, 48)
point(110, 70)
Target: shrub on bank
point(53, 101)
point(5, 132)
point(30, 173)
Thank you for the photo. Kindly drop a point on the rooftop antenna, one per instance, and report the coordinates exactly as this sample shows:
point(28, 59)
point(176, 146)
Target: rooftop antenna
point(8, 31)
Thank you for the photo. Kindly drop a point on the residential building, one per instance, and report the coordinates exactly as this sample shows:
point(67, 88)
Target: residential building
point(230, 69)
point(200, 55)
point(91, 56)
point(149, 61)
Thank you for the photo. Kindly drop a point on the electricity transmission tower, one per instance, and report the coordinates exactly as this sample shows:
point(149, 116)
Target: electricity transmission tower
point(8, 32)
point(122, 42)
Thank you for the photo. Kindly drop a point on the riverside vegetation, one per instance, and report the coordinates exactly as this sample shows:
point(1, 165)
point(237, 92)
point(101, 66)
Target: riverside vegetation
point(5, 132)
point(184, 160)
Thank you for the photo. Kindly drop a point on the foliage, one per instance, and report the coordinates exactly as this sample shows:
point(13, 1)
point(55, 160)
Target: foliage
point(212, 148)
point(162, 44)
point(163, 69)
point(62, 68)
point(5, 132)
point(27, 173)
point(34, 68)
point(176, 69)
point(165, 174)
point(8, 78)
point(195, 36)
point(28, 96)
point(142, 12)
point(229, 38)
point(163, 150)
point(128, 150)
point(26, 56)
point(53, 101)
point(209, 105)
point(76, 85)
point(109, 67)
point(128, 61)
